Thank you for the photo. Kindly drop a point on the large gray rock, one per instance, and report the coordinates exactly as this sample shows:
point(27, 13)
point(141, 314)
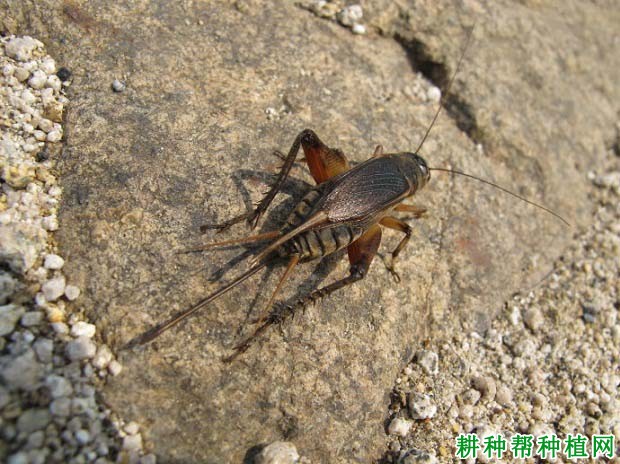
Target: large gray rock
point(142, 169)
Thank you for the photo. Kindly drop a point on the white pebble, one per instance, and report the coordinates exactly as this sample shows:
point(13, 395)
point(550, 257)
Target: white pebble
point(399, 427)
point(72, 292)
point(58, 386)
point(50, 223)
point(278, 452)
point(46, 125)
point(428, 360)
point(533, 319)
point(21, 48)
point(80, 348)
point(359, 29)
point(9, 315)
point(60, 328)
point(82, 436)
point(31, 318)
point(132, 442)
point(102, 358)
point(118, 86)
point(39, 135)
point(83, 329)
point(53, 82)
point(421, 406)
point(53, 261)
point(132, 428)
point(54, 288)
point(434, 94)
point(61, 407)
point(21, 74)
point(38, 80)
point(54, 136)
point(350, 15)
point(48, 66)
point(44, 349)
point(115, 368)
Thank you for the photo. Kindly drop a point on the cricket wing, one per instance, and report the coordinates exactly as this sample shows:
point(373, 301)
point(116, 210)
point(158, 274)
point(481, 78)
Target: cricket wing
point(365, 191)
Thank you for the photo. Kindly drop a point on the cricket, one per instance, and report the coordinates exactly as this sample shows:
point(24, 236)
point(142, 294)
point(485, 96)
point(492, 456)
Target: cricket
point(348, 208)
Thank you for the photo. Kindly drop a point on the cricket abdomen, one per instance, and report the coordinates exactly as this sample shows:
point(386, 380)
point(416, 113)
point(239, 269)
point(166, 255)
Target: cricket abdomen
point(319, 242)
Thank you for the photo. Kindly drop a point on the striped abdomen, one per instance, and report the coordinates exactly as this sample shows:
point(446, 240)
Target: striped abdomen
point(317, 242)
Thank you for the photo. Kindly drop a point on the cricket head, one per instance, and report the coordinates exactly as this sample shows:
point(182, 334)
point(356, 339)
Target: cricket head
point(415, 169)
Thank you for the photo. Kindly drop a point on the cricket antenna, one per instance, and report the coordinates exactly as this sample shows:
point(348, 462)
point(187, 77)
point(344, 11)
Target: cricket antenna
point(547, 210)
point(447, 89)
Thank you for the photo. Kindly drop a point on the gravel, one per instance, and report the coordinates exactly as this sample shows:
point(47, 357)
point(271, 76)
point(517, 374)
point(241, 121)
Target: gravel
point(49, 409)
point(548, 363)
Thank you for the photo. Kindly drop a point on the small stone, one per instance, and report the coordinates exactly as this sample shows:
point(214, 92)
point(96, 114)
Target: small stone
point(80, 348)
point(350, 15)
point(63, 74)
point(118, 86)
point(132, 442)
point(54, 136)
point(50, 223)
point(503, 396)
point(132, 428)
point(83, 329)
point(533, 319)
point(31, 318)
point(58, 386)
point(72, 292)
point(21, 48)
point(82, 436)
point(36, 439)
point(115, 368)
point(54, 288)
point(421, 406)
point(53, 261)
point(59, 327)
point(399, 427)
point(415, 456)
point(37, 81)
point(61, 407)
point(471, 396)
point(9, 315)
point(428, 360)
point(486, 386)
point(103, 358)
point(32, 420)
point(40, 136)
point(21, 74)
point(46, 125)
point(433, 94)
point(278, 452)
point(53, 83)
point(359, 29)
point(22, 372)
point(48, 66)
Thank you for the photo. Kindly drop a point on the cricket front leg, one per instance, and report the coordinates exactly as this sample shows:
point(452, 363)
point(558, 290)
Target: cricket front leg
point(397, 224)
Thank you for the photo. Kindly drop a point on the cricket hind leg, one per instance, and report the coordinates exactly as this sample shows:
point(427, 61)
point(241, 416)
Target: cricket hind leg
point(361, 253)
point(324, 162)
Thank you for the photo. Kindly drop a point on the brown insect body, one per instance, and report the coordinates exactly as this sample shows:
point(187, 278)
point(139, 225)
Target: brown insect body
point(346, 209)
point(350, 203)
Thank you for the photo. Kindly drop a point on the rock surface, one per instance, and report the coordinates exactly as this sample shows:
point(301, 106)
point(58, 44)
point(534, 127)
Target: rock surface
point(210, 91)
